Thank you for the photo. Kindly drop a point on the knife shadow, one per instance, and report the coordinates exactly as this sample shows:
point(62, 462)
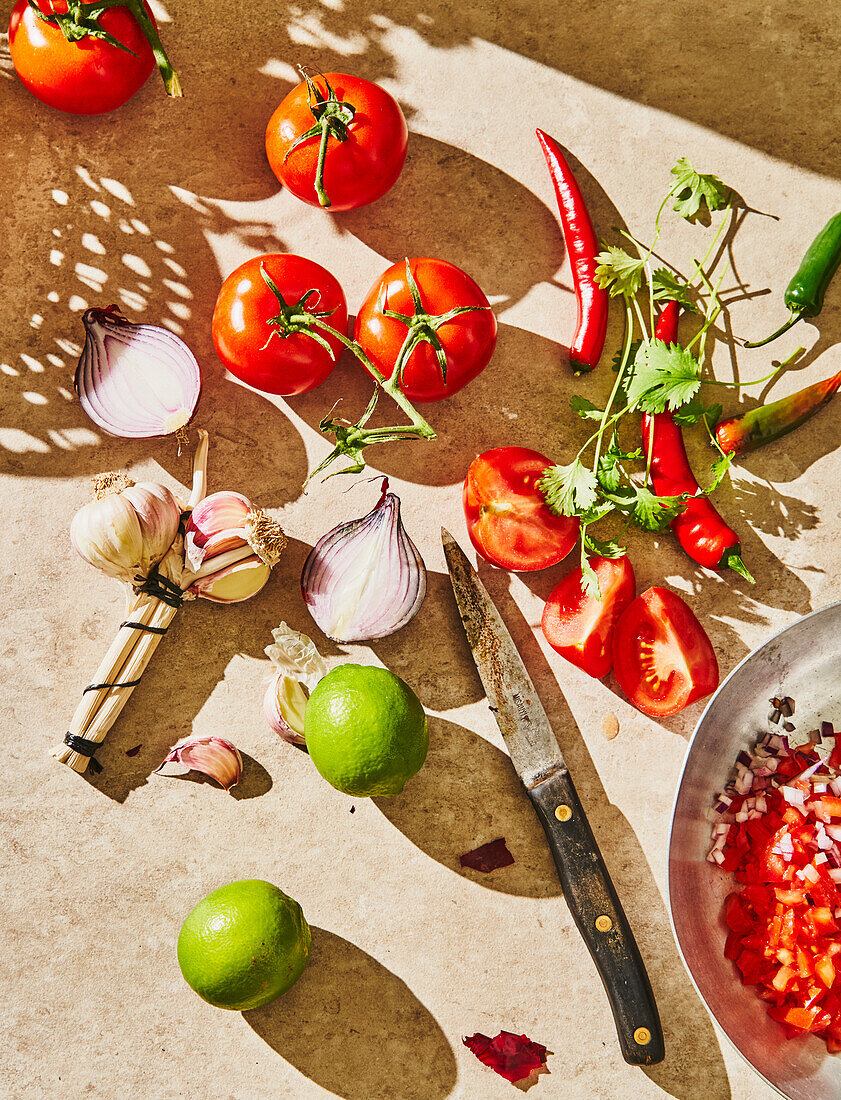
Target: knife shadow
point(694, 1068)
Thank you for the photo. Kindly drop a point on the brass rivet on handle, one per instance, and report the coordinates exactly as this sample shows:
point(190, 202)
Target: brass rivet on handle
point(604, 923)
point(642, 1036)
point(563, 812)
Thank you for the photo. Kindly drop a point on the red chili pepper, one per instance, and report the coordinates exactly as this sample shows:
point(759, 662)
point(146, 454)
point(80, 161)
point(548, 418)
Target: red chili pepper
point(768, 422)
point(700, 530)
point(582, 247)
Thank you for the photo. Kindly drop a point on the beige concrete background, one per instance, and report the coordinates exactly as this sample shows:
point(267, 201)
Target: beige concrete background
point(151, 206)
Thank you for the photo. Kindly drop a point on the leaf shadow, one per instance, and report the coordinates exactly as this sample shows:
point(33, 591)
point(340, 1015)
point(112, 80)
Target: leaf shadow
point(357, 1030)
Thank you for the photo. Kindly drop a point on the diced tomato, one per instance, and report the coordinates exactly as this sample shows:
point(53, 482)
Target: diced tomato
point(825, 970)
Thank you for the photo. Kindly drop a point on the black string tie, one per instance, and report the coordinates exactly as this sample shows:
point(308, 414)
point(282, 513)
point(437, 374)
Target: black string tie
point(148, 629)
point(102, 687)
point(80, 745)
point(162, 588)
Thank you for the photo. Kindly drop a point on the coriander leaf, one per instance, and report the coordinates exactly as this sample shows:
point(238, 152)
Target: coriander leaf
point(598, 511)
point(603, 548)
point(654, 513)
point(695, 188)
point(609, 471)
point(616, 362)
point(667, 287)
point(589, 580)
point(619, 273)
point(695, 410)
point(719, 471)
point(569, 490)
point(665, 376)
point(585, 409)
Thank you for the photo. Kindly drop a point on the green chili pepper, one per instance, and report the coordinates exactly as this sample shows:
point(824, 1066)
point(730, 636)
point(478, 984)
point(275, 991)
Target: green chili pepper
point(804, 294)
point(768, 422)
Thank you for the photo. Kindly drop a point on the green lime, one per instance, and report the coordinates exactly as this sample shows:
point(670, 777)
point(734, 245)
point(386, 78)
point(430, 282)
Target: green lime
point(243, 945)
point(365, 730)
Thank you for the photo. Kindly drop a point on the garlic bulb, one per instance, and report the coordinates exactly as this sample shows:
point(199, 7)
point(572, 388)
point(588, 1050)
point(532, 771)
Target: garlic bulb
point(219, 529)
point(128, 528)
point(299, 665)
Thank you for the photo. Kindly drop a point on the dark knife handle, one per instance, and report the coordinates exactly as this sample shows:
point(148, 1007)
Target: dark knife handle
point(597, 911)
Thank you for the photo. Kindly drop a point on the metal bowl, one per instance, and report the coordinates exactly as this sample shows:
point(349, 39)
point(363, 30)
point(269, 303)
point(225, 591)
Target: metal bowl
point(804, 662)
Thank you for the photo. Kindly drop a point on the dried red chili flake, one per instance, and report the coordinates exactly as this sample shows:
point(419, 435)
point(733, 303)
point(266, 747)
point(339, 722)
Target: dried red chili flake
point(488, 857)
point(514, 1057)
point(134, 751)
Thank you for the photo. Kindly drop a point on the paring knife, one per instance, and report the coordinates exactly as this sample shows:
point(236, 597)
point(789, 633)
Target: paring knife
point(534, 752)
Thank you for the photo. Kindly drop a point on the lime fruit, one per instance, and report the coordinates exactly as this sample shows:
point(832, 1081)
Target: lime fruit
point(243, 945)
point(365, 730)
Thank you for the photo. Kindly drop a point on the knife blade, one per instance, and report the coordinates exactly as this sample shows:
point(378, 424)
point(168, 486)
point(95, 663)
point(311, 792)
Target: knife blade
point(530, 740)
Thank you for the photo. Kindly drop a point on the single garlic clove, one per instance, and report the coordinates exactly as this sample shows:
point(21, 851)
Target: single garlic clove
point(211, 756)
point(217, 544)
point(284, 705)
point(234, 583)
point(221, 511)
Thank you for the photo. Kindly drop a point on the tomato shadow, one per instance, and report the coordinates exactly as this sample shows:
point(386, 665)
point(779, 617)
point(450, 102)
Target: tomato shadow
point(357, 1030)
point(184, 672)
point(467, 211)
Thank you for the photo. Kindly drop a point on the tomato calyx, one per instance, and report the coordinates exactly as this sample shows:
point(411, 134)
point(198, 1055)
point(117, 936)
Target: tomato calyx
point(422, 326)
point(351, 439)
point(81, 21)
point(332, 118)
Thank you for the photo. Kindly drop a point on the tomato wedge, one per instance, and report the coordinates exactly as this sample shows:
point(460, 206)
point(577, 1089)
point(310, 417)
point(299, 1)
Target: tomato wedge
point(507, 517)
point(580, 627)
point(662, 656)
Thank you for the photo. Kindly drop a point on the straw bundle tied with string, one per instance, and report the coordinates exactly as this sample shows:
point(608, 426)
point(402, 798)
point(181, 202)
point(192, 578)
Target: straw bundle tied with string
point(218, 547)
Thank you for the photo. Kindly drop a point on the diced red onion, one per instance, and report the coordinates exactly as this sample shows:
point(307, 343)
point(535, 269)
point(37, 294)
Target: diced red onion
point(365, 579)
point(135, 381)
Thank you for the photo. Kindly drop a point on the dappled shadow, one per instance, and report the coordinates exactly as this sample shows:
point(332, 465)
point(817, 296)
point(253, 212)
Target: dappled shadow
point(356, 1029)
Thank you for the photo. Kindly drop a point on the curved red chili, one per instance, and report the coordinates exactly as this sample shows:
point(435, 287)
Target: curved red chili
point(582, 247)
point(700, 530)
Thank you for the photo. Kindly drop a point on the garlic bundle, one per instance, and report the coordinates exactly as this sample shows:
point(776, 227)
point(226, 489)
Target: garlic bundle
point(299, 666)
point(133, 532)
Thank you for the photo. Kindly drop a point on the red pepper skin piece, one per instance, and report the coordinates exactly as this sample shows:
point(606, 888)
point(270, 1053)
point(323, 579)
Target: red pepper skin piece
point(764, 424)
point(700, 530)
point(582, 247)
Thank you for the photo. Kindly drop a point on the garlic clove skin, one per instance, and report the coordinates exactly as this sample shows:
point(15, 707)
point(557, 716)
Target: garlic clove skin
point(108, 535)
point(295, 655)
point(234, 583)
point(283, 706)
point(216, 544)
point(211, 756)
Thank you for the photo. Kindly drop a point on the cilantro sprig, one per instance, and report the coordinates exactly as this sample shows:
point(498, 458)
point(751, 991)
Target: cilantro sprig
point(653, 377)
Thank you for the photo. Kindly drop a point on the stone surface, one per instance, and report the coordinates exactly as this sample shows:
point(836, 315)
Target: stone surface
point(150, 207)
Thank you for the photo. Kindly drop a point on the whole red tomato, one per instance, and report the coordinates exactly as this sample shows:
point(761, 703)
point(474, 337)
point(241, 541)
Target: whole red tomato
point(242, 333)
point(468, 340)
point(662, 657)
point(366, 139)
point(87, 77)
point(580, 627)
point(507, 517)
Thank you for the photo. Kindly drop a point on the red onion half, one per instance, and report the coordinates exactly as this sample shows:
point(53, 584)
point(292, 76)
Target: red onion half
point(365, 579)
point(135, 381)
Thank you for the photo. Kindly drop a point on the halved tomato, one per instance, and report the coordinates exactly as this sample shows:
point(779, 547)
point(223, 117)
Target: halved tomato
point(508, 520)
point(580, 627)
point(662, 656)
